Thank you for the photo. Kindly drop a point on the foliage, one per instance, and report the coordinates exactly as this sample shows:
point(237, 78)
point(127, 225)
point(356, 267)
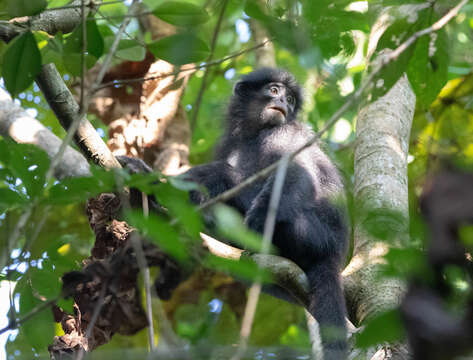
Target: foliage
point(321, 40)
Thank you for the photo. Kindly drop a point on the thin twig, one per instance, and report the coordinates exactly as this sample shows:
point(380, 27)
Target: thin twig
point(95, 316)
point(147, 283)
point(203, 84)
point(113, 48)
point(255, 289)
point(174, 73)
point(15, 323)
point(392, 56)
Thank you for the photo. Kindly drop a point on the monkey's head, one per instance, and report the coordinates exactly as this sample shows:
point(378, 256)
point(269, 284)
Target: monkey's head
point(263, 99)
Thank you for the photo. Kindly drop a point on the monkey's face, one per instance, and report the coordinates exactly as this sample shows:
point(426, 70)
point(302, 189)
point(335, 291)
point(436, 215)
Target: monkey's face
point(277, 103)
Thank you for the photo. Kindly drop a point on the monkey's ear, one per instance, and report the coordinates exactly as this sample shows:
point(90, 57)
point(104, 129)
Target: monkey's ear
point(240, 88)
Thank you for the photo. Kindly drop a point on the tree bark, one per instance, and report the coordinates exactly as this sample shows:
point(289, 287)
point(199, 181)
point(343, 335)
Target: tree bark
point(381, 198)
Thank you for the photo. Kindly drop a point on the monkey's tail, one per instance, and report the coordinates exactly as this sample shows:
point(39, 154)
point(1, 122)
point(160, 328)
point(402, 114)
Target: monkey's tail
point(327, 306)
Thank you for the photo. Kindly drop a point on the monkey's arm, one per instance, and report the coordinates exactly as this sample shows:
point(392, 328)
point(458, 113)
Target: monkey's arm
point(217, 177)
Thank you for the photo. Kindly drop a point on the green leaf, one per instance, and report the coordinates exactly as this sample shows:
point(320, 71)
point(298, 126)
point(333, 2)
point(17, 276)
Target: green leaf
point(21, 63)
point(253, 9)
point(45, 281)
point(39, 329)
point(178, 204)
point(10, 198)
point(386, 327)
point(180, 183)
point(390, 74)
point(181, 13)
point(18, 8)
point(428, 68)
point(72, 56)
point(78, 189)
point(230, 224)
point(130, 50)
point(67, 305)
point(397, 33)
point(244, 268)
point(29, 163)
point(180, 49)
point(161, 233)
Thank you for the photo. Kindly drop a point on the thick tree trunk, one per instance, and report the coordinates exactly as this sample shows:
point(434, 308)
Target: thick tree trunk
point(381, 198)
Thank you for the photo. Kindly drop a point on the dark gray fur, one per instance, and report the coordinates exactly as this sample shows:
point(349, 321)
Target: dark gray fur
point(310, 229)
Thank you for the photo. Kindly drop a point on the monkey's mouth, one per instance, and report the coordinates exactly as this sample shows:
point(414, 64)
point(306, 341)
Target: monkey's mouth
point(280, 109)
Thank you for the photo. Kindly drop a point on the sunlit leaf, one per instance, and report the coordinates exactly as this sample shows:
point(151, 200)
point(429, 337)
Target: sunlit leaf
point(181, 13)
point(130, 50)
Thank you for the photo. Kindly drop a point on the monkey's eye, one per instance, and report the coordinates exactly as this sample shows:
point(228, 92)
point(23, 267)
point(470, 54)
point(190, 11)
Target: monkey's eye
point(274, 90)
point(290, 100)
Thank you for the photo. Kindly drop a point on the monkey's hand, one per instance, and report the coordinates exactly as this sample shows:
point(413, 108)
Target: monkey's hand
point(135, 166)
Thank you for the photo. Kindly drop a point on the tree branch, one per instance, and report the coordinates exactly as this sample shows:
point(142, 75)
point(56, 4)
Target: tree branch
point(15, 123)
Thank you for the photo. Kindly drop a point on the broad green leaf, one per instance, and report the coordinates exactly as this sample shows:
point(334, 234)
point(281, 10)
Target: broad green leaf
point(404, 262)
point(29, 163)
point(178, 204)
point(387, 327)
point(180, 49)
point(52, 52)
point(10, 198)
point(39, 329)
point(18, 8)
point(113, 10)
point(230, 224)
point(390, 74)
point(21, 63)
point(397, 33)
point(181, 13)
point(73, 62)
point(130, 50)
point(72, 56)
point(45, 281)
point(182, 184)
point(161, 233)
point(428, 68)
point(66, 305)
point(268, 329)
point(73, 190)
point(253, 9)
